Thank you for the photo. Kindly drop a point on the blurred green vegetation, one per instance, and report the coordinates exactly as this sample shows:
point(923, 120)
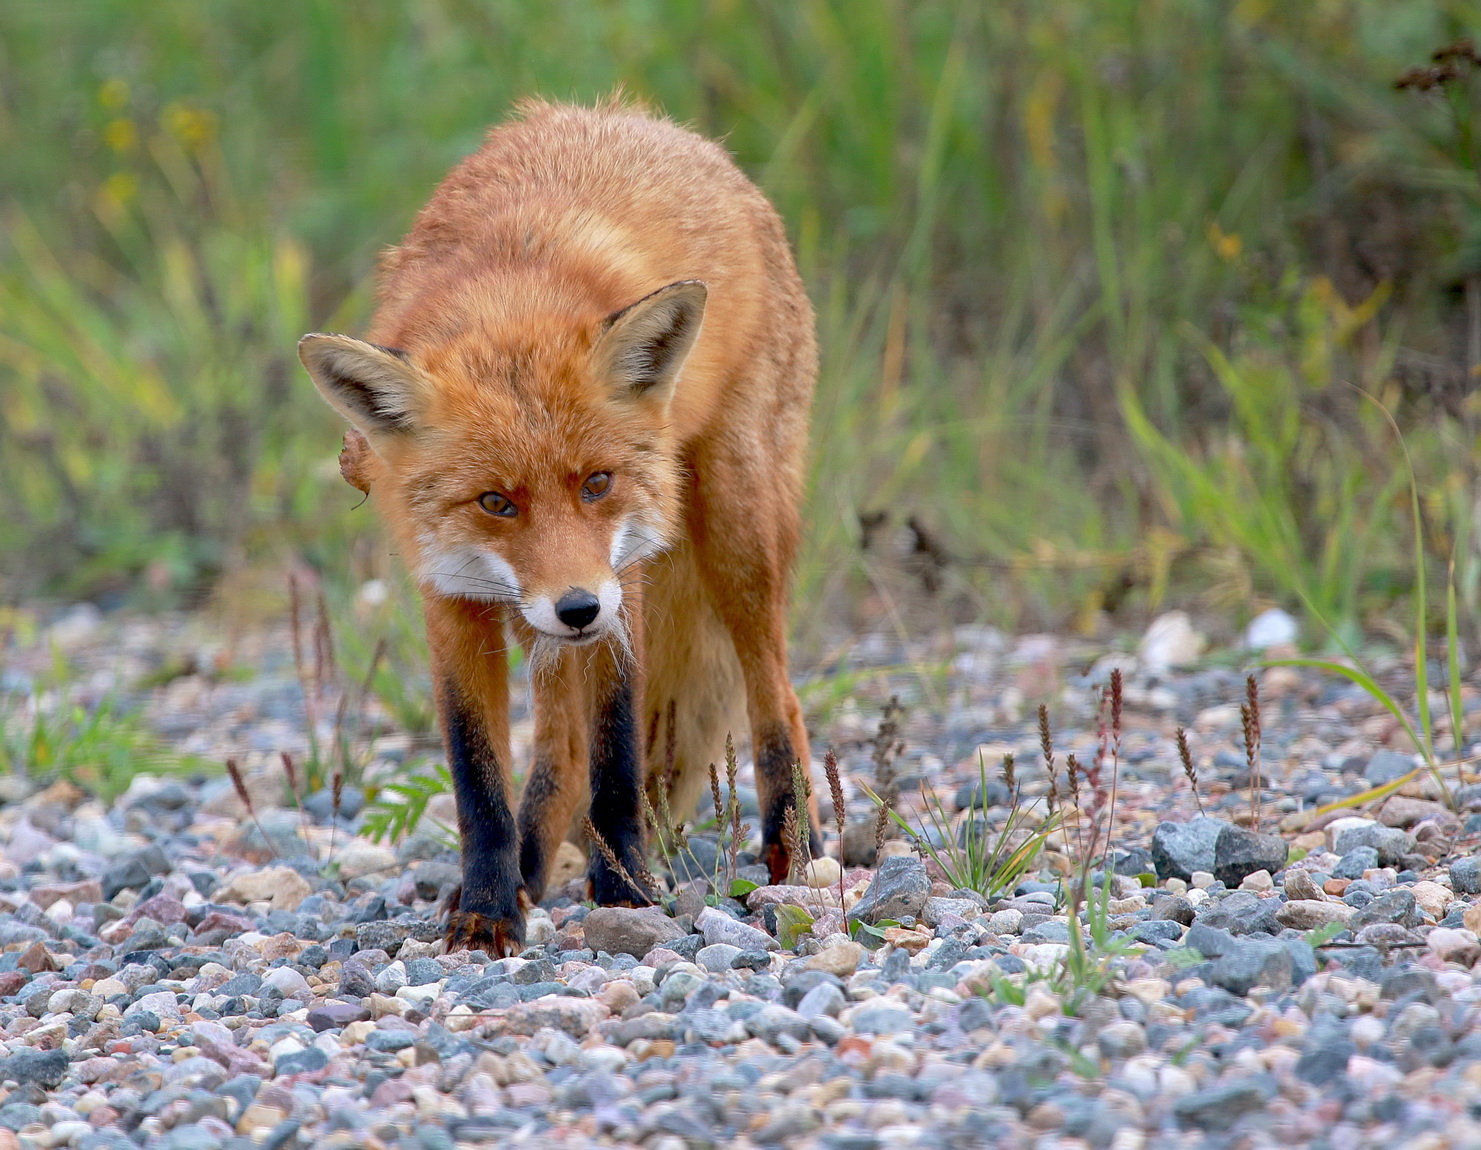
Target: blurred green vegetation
point(1097, 283)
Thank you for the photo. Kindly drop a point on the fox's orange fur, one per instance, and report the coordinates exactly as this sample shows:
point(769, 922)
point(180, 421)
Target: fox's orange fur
point(596, 292)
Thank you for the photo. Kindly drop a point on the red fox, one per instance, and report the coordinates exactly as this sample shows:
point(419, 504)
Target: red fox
point(584, 400)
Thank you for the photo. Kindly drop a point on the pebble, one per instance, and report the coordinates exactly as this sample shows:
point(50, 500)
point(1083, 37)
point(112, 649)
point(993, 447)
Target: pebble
point(276, 1004)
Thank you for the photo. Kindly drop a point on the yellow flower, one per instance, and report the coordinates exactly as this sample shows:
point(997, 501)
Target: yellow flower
point(1227, 244)
point(190, 125)
point(121, 135)
point(114, 95)
point(120, 188)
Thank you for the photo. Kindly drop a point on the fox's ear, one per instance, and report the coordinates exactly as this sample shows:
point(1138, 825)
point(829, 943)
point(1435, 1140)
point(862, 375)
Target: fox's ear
point(644, 345)
point(374, 387)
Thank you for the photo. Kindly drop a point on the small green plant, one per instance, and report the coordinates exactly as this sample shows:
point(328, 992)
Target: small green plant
point(398, 808)
point(974, 856)
point(100, 749)
point(1421, 727)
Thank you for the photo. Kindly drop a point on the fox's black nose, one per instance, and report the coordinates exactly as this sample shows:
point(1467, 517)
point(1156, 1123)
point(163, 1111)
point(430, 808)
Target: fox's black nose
point(576, 608)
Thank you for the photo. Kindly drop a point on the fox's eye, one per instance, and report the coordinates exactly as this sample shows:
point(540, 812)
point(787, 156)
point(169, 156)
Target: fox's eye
point(496, 504)
point(596, 485)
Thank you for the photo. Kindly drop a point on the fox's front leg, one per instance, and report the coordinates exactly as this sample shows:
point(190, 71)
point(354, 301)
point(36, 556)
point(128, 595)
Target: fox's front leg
point(617, 760)
point(470, 670)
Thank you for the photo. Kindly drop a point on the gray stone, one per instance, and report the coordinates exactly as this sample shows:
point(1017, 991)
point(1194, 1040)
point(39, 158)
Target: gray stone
point(1122, 1040)
point(43, 1067)
point(719, 927)
point(628, 930)
point(823, 999)
point(1465, 876)
point(773, 1021)
point(1209, 941)
point(1395, 905)
point(1157, 929)
point(1242, 912)
point(1179, 849)
point(720, 956)
point(1386, 766)
point(1220, 1107)
point(1391, 843)
point(303, 1061)
point(1173, 908)
point(1238, 852)
point(882, 1019)
point(900, 887)
point(1355, 862)
point(383, 935)
point(1254, 962)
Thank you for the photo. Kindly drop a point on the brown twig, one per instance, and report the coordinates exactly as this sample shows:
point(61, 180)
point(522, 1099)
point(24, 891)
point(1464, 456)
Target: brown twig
point(1185, 756)
point(835, 789)
point(291, 770)
point(336, 796)
point(240, 786)
point(1249, 713)
point(732, 804)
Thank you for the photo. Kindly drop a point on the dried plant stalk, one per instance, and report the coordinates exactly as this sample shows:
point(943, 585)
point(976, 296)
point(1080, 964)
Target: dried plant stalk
point(604, 848)
point(1010, 779)
point(1046, 744)
point(1185, 756)
point(1250, 714)
point(239, 784)
point(732, 801)
point(291, 770)
point(336, 798)
point(789, 840)
point(835, 789)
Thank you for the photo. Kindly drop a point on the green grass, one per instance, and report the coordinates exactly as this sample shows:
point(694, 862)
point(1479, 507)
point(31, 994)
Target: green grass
point(1044, 240)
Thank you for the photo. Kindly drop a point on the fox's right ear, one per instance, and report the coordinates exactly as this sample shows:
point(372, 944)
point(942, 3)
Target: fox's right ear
point(374, 387)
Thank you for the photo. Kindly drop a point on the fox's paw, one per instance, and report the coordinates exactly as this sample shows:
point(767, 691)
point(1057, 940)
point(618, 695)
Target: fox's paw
point(499, 935)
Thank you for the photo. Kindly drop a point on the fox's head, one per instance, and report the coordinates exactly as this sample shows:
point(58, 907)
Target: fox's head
point(533, 466)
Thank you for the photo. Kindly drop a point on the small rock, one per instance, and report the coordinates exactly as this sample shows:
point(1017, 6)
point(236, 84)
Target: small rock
point(881, 1016)
point(1402, 811)
point(1170, 641)
point(334, 1015)
point(1386, 766)
point(1396, 905)
point(719, 927)
point(825, 999)
point(823, 872)
point(1432, 898)
point(1355, 862)
point(1465, 876)
point(1239, 853)
point(1458, 946)
point(282, 886)
point(1219, 1107)
point(1253, 962)
point(1301, 887)
point(1271, 628)
point(1391, 843)
point(1180, 850)
point(1259, 882)
point(1122, 1040)
point(900, 887)
point(936, 909)
point(627, 930)
point(838, 958)
point(359, 859)
point(717, 957)
point(1311, 914)
point(45, 1068)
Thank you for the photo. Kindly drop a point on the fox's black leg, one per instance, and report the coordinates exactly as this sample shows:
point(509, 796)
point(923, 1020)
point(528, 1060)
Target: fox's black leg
point(470, 668)
point(616, 777)
point(489, 908)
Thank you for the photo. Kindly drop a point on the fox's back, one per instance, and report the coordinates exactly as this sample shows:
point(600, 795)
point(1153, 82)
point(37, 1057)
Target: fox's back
point(569, 210)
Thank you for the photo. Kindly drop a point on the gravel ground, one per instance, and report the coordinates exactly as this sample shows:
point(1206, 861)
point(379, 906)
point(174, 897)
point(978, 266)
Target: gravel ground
point(170, 977)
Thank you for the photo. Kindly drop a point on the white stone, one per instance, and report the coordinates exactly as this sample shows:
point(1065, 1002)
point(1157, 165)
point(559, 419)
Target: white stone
point(1171, 641)
point(1272, 628)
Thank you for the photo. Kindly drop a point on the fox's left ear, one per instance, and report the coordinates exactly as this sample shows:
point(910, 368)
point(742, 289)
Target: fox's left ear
point(643, 346)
